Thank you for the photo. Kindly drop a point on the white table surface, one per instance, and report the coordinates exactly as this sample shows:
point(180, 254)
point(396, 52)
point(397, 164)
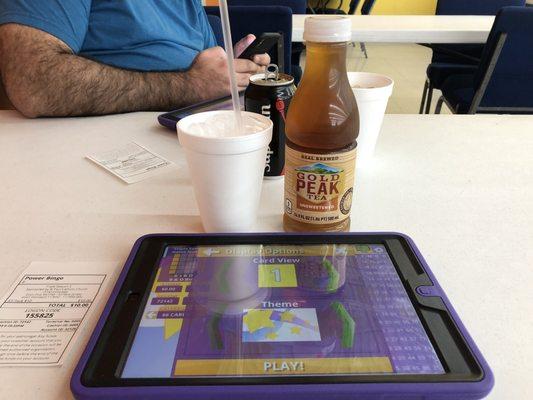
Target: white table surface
point(411, 28)
point(461, 186)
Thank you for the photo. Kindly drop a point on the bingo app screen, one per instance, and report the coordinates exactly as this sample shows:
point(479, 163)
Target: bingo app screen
point(254, 310)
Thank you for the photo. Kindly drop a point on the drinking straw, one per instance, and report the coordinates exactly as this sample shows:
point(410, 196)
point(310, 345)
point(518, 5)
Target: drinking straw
point(226, 30)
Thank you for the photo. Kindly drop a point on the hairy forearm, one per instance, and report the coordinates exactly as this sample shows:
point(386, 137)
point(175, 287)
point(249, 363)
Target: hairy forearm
point(46, 79)
point(71, 85)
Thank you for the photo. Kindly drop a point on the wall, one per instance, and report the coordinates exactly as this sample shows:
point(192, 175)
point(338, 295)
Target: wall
point(393, 7)
point(409, 7)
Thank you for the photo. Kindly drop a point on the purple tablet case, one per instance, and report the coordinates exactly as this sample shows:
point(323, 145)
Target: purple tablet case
point(170, 122)
point(166, 121)
point(359, 391)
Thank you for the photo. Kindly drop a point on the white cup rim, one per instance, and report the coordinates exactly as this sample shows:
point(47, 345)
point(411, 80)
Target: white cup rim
point(182, 123)
point(389, 81)
point(212, 145)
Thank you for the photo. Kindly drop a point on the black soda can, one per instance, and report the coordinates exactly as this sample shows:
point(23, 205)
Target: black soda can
point(270, 94)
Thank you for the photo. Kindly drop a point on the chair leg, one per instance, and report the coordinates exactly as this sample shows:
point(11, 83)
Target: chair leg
point(424, 95)
point(438, 108)
point(430, 97)
point(363, 49)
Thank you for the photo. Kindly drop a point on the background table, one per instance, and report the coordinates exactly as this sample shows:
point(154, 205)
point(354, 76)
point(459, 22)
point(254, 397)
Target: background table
point(461, 186)
point(411, 28)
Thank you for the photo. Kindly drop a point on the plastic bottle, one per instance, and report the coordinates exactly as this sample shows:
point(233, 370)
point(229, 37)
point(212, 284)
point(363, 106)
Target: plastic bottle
point(322, 127)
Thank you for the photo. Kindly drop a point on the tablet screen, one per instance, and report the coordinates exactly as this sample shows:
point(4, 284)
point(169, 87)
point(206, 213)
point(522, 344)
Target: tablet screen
point(278, 310)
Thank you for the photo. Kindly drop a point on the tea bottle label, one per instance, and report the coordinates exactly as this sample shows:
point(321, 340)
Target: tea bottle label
point(319, 187)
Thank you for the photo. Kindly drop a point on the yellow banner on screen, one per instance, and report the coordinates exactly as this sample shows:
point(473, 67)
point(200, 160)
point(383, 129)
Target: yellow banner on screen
point(282, 366)
point(330, 250)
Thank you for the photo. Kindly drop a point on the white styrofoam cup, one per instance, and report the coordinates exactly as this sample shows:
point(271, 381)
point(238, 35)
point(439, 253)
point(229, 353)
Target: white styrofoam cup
point(226, 172)
point(372, 92)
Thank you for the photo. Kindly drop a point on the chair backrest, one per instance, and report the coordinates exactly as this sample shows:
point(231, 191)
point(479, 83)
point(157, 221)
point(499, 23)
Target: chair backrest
point(367, 7)
point(504, 78)
point(474, 7)
point(216, 26)
point(468, 7)
point(353, 6)
point(260, 19)
point(297, 6)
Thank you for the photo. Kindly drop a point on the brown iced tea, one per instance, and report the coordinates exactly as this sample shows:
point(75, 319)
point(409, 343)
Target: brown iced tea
point(322, 127)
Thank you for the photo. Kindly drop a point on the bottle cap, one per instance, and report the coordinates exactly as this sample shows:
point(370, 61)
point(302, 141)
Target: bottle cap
point(328, 29)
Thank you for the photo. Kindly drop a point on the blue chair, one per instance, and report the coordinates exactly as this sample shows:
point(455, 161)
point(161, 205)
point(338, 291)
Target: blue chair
point(257, 20)
point(297, 7)
point(367, 6)
point(503, 81)
point(451, 59)
point(216, 26)
point(322, 8)
point(353, 6)
point(365, 10)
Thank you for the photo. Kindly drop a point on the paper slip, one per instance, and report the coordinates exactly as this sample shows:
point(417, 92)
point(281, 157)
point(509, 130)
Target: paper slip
point(131, 163)
point(46, 307)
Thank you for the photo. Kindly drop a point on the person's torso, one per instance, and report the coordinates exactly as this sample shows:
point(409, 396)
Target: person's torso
point(157, 35)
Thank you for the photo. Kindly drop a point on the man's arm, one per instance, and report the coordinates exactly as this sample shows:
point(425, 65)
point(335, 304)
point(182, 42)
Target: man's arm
point(42, 77)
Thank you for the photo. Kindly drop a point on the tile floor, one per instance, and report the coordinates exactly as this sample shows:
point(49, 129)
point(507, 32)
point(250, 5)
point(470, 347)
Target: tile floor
point(405, 63)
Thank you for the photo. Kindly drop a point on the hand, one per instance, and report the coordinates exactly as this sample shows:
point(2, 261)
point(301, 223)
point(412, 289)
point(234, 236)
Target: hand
point(246, 68)
point(260, 59)
point(208, 76)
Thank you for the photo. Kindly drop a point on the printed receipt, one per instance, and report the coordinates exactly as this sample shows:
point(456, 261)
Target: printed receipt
point(44, 309)
point(131, 163)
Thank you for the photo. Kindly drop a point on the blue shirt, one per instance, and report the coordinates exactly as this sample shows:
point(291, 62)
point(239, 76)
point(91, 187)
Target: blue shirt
point(145, 35)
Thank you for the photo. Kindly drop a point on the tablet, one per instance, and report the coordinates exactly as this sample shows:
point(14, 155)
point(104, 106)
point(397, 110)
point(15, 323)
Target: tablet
point(169, 120)
point(256, 316)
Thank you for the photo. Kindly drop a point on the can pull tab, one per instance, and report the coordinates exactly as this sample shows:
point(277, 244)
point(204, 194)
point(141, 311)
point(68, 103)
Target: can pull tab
point(271, 72)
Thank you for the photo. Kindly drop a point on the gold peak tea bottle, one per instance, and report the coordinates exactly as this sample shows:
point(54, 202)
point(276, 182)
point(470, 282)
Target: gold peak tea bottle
point(322, 127)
